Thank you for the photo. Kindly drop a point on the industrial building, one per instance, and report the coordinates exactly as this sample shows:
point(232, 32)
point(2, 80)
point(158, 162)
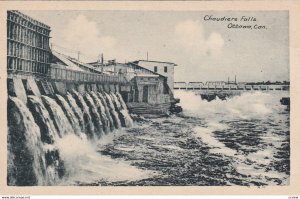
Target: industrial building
point(146, 88)
point(163, 68)
point(28, 50)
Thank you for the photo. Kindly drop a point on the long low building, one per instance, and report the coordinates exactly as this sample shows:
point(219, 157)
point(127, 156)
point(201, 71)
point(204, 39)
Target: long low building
point(148, 91)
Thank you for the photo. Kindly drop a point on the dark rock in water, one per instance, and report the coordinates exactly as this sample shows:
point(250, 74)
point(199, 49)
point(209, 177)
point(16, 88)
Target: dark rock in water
point(175, 109)
point(52, 157)
point(208, 97)
point(212, 96)
point(285, 101)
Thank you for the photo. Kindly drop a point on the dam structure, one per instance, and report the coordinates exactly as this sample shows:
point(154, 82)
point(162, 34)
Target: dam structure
point(52, 96)
point(229, 86)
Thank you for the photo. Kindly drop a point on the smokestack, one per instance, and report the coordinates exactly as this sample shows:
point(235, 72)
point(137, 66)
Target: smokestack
point(102, 59)
point(147, 55)
point(235, 79)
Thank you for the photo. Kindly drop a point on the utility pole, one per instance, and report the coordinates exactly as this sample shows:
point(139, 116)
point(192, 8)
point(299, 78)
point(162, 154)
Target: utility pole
point(78, 58)
point(78, 55)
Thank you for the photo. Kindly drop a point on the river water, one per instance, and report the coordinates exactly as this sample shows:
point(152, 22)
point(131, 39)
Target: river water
point(243, 140)
point(91, 140)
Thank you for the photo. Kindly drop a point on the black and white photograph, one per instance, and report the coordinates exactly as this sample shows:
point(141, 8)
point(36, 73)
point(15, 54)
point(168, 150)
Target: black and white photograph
point(123, 98)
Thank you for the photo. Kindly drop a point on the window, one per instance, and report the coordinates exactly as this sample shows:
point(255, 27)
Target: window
point(155, 68)
point(165, 69)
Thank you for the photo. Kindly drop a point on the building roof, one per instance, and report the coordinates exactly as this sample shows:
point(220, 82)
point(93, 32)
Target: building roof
point(150, 71)
point(155, 62)
point(75, 64)
point(63, 58)
point(134, 65)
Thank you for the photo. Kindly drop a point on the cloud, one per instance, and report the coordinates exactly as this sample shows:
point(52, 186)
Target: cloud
point(190, 35)
point(82, 34)
point(215, 43)
point(199, 52)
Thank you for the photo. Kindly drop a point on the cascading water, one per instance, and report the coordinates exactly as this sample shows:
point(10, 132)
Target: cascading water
point(48, 131)
point(55, 167)
point(77, 111)
point(123, 111)
point(51, 129)
point(123, 104)
point(128, 119)
point(90, 127)
point(26, 165)
point(58, 117)
point(241, 141)
point(107, 111)
point(102, 112)
point(112, 109)
point(95, 115)
point(69, 113)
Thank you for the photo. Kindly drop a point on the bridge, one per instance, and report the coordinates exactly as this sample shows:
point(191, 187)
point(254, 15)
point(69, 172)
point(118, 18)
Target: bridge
point(223, 86)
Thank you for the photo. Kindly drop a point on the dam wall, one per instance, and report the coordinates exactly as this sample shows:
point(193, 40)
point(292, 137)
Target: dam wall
point(41, 113)
point(61, 81)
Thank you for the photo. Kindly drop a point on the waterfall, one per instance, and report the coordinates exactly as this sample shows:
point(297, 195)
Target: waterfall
point(112, 109)
point(95, 115)
point(128, 119)
point(116, 101)
point(121, 100)
point(77, 111)
point(102, 112)
point(49, 134)
point(41, 116)
point(40, 131)
point(24, 147)
point(60, 120)
point(89, 128)
point(69, 113)
point(107, 111)
point(121, 107)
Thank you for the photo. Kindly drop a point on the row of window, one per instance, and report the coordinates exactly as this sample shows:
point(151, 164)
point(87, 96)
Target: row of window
point(24, 20)
point(27, 36)
point(27, 66)
point(19, 50)
point(165, 69)
point(148, 78)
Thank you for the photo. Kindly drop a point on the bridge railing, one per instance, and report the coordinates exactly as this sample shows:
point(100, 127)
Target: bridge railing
point(82, 76)
point(209, 86)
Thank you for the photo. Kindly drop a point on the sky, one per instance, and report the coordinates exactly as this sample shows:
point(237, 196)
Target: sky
point(204, 50)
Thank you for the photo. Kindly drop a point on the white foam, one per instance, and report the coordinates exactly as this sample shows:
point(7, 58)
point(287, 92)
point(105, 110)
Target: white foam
point(207, 137)
point(248, 105)
point(86, 165)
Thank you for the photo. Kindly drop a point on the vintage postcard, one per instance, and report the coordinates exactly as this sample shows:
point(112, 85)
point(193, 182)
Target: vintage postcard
point(150, 97)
